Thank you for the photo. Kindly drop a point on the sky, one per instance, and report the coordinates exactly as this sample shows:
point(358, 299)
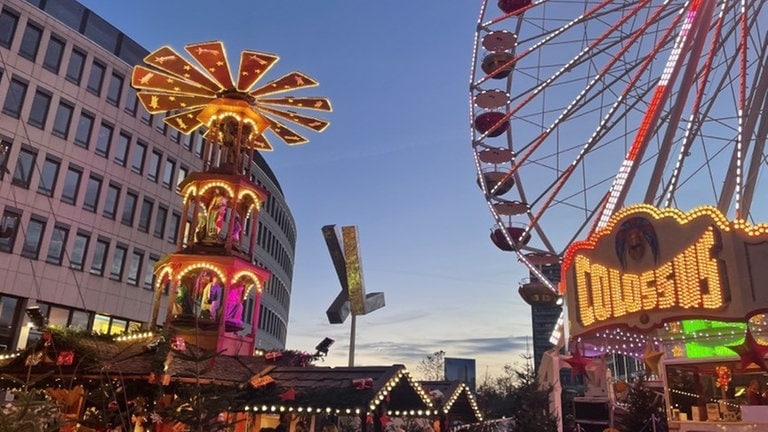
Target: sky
point(396, 162)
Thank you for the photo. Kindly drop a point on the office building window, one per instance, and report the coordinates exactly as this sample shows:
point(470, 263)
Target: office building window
point(39, 111)
point(173, 227)
point(57, 244)
point(99, 256)
point(169, 172)
point(118, 262)
point(22, 175)
point(153, 168)
point(58, 316)
point(139, 151)
point(121, 150)
point(118, 326)
point(62, 120)
point(186, 142)
point(104, 139)
point(183, 172)
point(111, 200)
point(160, 217)
point(14, 99)
point(131, 101)
point(8, 23)
point(9, 227)
point(146, 117)
point(92, 191)
point(115, 89)
point(48, 176)
point(71, 185)
point(75, 67)
point(53, 54)
point(33, 237)
point(145, 215)
point(134, 267)
point(5, 151)
point(129, 208)
point(30, 42)
point(84, 129)
point(149, 272)
point(198, 140)
point(79, 250)
point(80, 320)
point(96, 79)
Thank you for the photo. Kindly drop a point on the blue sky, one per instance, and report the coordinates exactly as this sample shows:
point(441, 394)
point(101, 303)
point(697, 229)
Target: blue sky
point(396, 161)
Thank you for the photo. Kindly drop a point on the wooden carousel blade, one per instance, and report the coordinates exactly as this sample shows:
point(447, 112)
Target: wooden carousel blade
point(306, 121)
point(186, 121)
point(168, 60)
point(253, 65)
point(291, 81)
point(313, 103)
point(262, 143)
point(161, 102)
point(150, 79)
point(213, 59)
point(286, 134)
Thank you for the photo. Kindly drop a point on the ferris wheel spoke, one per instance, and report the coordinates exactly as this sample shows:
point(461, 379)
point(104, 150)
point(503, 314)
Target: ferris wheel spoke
point(673, 121)
point(741, 143)
point(694, 126)
point(733, 184)
point(758, 157)
point(695, 21)
point(756, 104)
point(699, 118)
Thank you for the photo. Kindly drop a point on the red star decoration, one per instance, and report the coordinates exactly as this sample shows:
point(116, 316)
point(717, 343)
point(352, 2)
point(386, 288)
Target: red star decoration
point(751, 352)
point(384, 420)
point(288, 395)
point(578, 363)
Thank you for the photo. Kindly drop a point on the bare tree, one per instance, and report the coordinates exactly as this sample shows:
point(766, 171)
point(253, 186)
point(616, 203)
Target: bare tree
point(432, 368)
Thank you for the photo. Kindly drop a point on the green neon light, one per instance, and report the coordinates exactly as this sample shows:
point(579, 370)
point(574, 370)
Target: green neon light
point(721, 334)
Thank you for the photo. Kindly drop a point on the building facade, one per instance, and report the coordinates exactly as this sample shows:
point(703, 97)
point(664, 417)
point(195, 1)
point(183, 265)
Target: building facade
point(88, 182)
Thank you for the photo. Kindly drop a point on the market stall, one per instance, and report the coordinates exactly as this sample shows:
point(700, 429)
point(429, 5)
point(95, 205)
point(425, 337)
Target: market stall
point(683, 292)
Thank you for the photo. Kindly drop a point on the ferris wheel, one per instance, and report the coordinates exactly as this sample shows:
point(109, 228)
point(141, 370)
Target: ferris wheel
point(581, 107)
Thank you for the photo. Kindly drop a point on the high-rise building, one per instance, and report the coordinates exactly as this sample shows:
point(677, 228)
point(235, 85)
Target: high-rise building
point(545, 308)
point(89, 181)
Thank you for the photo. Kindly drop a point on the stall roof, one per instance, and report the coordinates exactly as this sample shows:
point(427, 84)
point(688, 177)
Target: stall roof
point(454, 399)
point(343, 390)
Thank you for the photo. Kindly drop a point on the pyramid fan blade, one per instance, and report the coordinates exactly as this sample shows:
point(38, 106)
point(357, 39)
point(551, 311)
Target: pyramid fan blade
point(145, 78)
point(313, 103)
point(166, 59)
point(263, 144)
point(306, 121)
point(291, 81)
point(213, 59)
point(161, 102)
point(253, 65)
point(286, 134)
point(186, 121)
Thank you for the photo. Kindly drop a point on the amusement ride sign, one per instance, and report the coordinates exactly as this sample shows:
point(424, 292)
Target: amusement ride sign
point(649, 266)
